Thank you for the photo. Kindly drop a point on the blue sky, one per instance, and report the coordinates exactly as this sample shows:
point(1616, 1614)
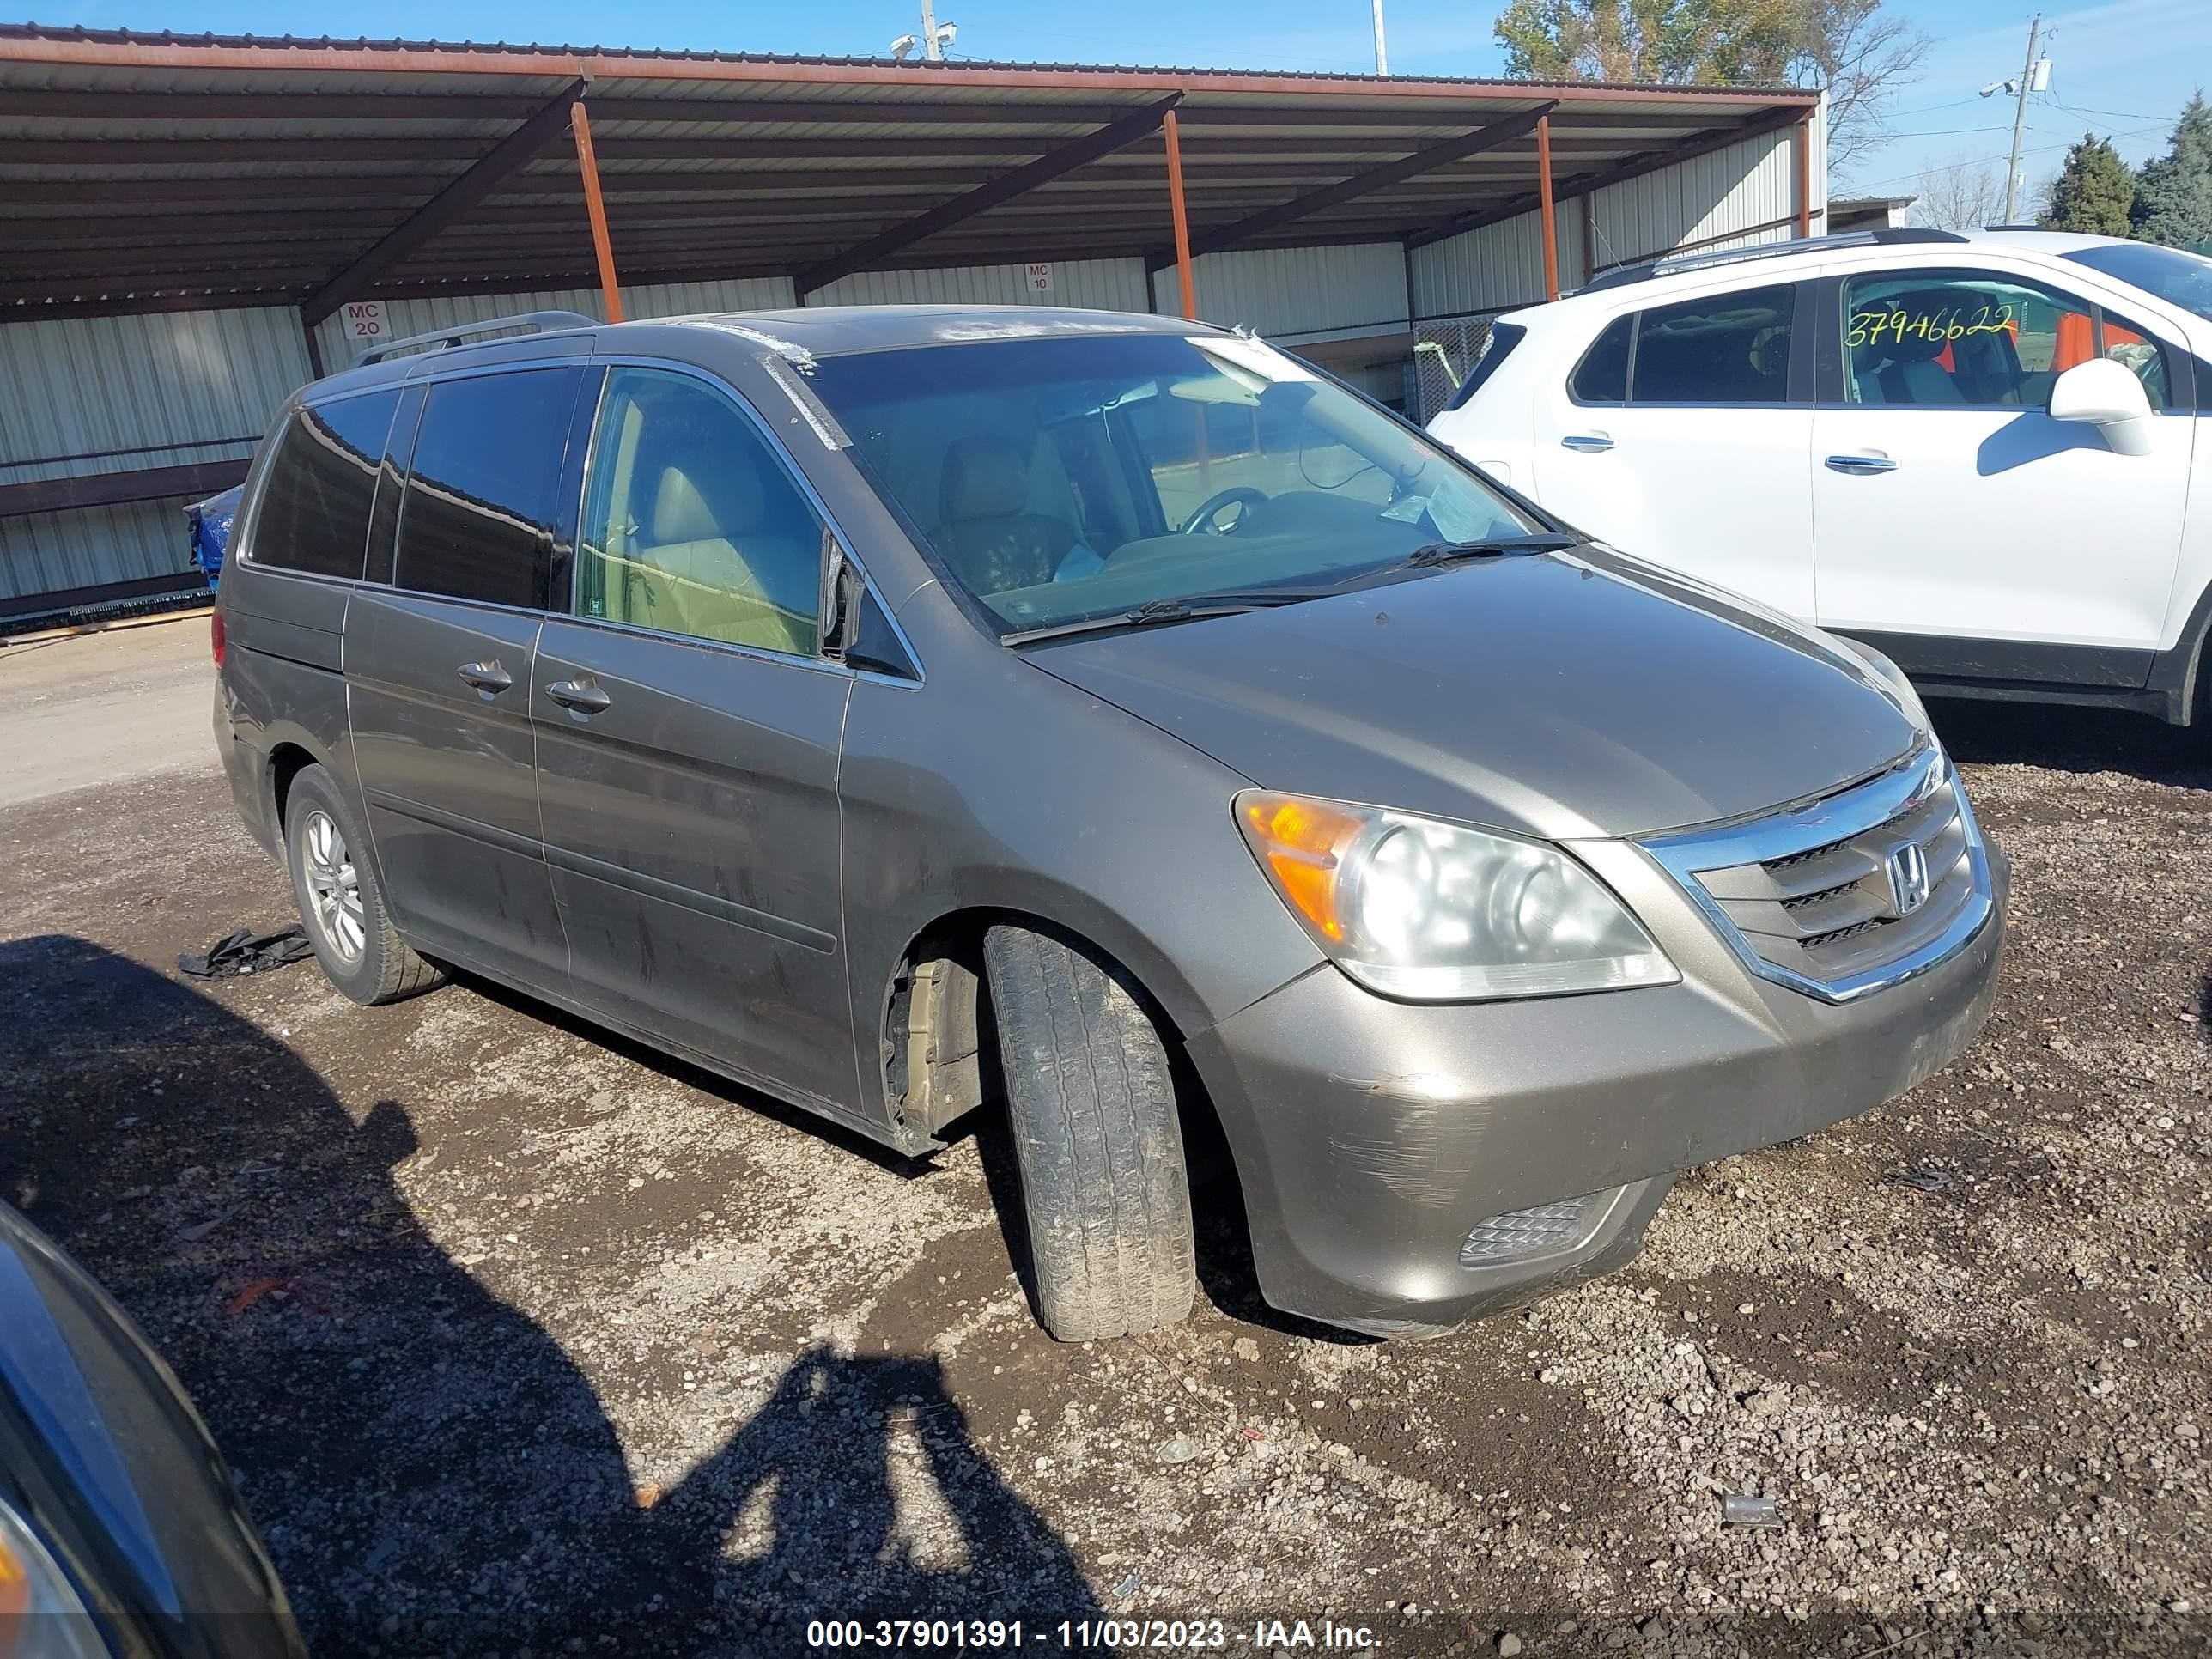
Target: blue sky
point(2122, 67)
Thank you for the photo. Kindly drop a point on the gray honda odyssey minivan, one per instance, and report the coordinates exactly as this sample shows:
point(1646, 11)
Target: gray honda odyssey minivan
point(813, 696)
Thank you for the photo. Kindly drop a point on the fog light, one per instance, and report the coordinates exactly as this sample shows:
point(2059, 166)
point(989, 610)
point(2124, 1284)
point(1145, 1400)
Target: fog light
point(1533, 1231)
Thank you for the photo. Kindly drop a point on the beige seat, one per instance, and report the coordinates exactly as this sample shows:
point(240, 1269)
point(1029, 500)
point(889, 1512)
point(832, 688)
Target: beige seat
point(989, 537)
point(695, 560)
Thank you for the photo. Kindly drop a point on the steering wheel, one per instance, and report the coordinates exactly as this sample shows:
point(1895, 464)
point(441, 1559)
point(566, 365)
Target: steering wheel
point(1201, 523)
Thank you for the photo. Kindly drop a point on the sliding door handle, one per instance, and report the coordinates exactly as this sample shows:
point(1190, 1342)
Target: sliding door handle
point(1861, 465)
point(1586, 443)
point(578, 696)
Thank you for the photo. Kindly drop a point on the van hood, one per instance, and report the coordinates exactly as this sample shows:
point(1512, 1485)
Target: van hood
point(1563, 695)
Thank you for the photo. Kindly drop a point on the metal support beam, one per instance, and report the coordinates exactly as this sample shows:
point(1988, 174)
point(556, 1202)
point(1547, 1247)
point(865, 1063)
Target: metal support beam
point(1173, 135)
point(1102, 141)
point(1374, 179)
point(602, 248)
point(525, 145)
point(1704, 143)
point(1547, 208)
point(1801, 140)
point(145, 483)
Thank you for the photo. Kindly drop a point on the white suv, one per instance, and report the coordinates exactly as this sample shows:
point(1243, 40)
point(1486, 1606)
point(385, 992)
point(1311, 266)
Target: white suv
point(1977, 454)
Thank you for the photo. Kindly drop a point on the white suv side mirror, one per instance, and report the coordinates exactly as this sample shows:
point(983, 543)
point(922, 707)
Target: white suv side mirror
point(2106, 395)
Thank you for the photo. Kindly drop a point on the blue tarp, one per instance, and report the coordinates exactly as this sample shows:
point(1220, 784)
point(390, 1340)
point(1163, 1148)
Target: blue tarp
point(210, 526)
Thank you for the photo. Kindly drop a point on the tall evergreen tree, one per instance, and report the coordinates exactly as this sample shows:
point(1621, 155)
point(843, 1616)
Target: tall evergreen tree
point(2173, 193)
point(2094, 190)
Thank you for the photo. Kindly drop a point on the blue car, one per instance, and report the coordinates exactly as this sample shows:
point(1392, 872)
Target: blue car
point(211, 522)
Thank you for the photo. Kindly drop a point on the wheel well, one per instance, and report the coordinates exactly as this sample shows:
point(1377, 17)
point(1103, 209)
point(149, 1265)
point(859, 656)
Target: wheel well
point(936, 1024)
point(286, 762)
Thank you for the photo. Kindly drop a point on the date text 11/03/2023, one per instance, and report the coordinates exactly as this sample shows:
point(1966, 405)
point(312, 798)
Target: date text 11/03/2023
point(1089, 1635)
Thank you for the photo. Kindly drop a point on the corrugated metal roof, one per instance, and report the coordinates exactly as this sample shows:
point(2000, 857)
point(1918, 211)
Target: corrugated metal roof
point(482, 49)
point(163, 169)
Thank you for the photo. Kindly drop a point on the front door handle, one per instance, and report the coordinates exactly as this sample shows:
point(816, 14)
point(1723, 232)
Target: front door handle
point(1586, 443)
point(488, 677)
point(576, 694)
point(1862, 466)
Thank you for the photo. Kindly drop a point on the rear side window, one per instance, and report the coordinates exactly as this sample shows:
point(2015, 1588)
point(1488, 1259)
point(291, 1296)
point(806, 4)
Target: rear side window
point(483, 493)
point(1496, 346)
point(1724, 348)
point(313, 513)
point(1601, 377)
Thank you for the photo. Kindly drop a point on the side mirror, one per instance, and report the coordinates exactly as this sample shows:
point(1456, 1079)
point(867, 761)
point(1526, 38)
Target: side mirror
point(2107, 395)
point(840, 604)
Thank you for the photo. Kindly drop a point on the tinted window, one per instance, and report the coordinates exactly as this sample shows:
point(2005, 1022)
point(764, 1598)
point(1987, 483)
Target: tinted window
point(481, 494)
point(313, 514)
point(692, 523)
point(1601, 377)
point(1978, 341)
point(1496, 346)
point(1725, 349)
point(391, 485)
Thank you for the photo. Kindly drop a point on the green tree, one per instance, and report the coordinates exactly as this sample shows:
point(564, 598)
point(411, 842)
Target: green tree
point(2094, 190)
point(1849, 48)
point(2173, 193)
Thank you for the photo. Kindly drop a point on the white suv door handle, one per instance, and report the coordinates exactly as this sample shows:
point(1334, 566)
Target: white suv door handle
point(1862, 463)
point(1586, 443)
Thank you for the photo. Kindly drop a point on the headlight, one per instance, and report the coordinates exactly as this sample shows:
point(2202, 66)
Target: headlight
point(1432, 912)
point(40, 1616)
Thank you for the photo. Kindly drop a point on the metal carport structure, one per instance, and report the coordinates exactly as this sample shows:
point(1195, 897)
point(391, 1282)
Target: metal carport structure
point(143, 175)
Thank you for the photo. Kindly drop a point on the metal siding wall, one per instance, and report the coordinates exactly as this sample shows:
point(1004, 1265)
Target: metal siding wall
point(78, 384)
point(404, 317)
point(1094, 284)
point(1297, 290)
point(47, 552)
point(1501, 266)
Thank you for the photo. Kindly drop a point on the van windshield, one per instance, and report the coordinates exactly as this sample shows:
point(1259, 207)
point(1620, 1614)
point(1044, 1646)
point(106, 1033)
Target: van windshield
point(1063, 478)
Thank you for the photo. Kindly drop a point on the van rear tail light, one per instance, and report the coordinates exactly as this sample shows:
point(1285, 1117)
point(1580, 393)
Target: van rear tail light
point(216, 641)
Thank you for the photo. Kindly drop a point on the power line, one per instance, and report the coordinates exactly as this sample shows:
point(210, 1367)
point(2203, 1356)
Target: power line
point(1930, 109)
point(1984, 160)
point(2115, 114)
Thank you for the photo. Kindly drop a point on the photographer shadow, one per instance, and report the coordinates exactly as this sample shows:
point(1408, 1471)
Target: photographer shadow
point(857, 1492)
point(430, 1469)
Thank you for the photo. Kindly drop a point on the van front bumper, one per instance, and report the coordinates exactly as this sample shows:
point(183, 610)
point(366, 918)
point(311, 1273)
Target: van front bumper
point(1375, 1140)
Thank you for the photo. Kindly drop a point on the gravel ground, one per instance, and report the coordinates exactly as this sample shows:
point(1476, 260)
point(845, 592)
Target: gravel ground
point(522, 1338)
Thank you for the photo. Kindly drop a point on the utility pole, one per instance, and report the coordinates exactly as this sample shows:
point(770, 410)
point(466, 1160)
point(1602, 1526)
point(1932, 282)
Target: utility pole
point(1382, 57)
point(935, 53)
point(2019, 121)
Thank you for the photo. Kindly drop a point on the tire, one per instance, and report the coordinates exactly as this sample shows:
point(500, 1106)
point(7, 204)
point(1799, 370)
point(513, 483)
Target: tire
point(1103, 1186)
point(340, 903)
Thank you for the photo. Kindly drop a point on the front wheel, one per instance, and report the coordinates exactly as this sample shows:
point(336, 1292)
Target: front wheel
point(341, 905)
point(1103, 1186)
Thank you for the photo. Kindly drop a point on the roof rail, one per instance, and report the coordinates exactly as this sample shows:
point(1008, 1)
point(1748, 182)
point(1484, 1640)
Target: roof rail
point(535, 322)
point(1668, 264)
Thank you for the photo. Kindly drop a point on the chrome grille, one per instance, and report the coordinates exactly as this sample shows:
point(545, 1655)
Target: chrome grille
point(1854, 892)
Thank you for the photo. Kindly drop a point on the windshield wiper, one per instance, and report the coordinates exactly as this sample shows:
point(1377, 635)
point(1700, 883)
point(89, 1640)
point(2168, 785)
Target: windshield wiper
point(1153, 612)
point(1434, 553)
